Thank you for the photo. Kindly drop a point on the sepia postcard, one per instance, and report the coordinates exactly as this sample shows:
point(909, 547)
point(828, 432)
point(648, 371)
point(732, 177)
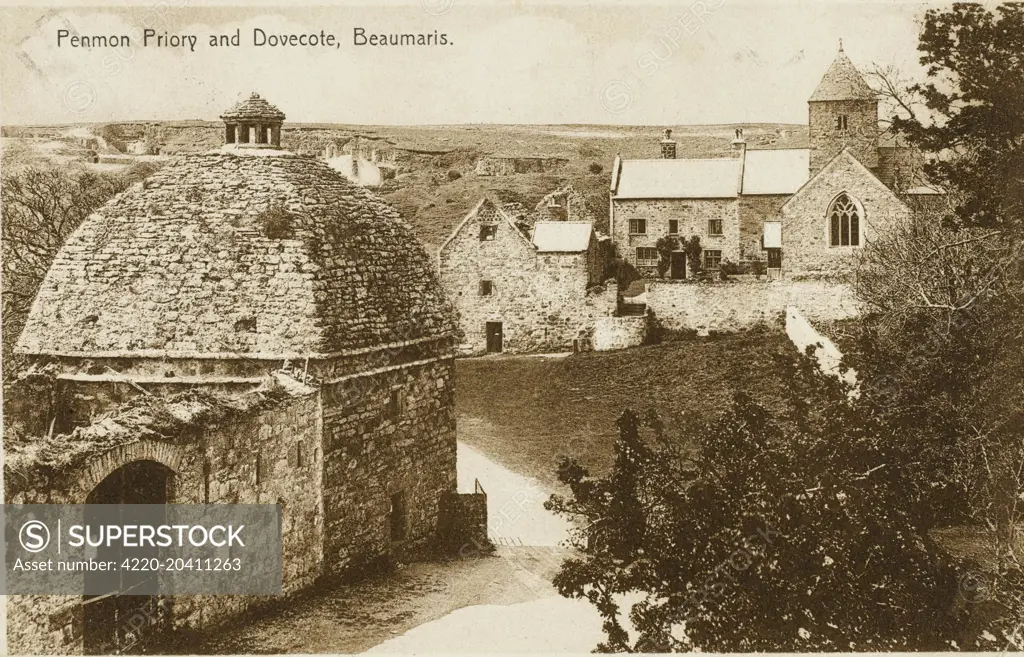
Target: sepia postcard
point(468, 327)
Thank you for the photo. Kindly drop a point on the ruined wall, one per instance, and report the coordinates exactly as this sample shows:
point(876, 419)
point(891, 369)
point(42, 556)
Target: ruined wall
point(753, 212)
point(805, 222)
point(375, 447)
point(495, 165)
point(619, 332)
point(735, 306)
point(693, 216)
point(541, 300)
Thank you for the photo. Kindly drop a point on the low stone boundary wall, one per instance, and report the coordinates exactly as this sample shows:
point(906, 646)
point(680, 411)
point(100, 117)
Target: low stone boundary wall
point(619, 332)
point(463, 524)
point(733, 306)
point(803, 335)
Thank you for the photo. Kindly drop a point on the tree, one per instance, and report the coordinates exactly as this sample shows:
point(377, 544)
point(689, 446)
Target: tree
point(793, 531)
point(945, 289)
point(42, 205)
point(666, 246)
point(968, 112)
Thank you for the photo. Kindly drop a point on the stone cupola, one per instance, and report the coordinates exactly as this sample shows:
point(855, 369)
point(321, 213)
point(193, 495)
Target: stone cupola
point(253, 122)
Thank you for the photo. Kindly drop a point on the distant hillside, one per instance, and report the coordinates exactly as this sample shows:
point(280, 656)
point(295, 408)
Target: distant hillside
point(435, 182)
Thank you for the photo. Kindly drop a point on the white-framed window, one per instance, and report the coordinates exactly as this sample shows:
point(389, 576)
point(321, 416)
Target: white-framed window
point(844, 222)
point(715, 227)
point(712, 258)
point(673, 226)
point(646, 256)
point(637, 226)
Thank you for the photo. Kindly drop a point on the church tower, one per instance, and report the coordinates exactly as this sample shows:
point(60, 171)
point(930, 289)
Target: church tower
point(843, 112)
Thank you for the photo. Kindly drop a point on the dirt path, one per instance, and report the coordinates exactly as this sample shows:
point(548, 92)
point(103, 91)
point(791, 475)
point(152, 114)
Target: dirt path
point(476, 604)
point(352, 619)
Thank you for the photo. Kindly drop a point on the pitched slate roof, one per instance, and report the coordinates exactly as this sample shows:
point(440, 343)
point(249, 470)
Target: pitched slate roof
point(253, 108)
point(842, 81)
point(562, 236)
point(775, 171)
point(189, 264)
point(689, 178)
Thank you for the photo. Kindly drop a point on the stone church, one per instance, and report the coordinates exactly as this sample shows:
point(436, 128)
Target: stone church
point(243, 326)
point(802, 211)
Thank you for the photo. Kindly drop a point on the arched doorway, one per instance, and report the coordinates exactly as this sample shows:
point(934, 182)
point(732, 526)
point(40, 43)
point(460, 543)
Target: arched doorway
point(123, 622)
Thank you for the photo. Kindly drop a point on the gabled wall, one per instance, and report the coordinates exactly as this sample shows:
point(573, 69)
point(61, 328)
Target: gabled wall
point(541, 299)
point(805, 243)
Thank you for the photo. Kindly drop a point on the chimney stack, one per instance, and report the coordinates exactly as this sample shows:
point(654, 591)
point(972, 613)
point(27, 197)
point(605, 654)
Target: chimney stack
point(739, 143)
point(668, 146)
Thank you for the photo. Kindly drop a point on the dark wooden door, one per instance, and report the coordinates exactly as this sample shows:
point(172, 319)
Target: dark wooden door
point(775, 258)
point(494, 337)
point(678, 265)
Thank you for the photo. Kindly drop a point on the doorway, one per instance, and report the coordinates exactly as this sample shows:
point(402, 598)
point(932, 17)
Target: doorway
point(494, 337)
point(677, 269)
point(125, 622)
point(774, 258)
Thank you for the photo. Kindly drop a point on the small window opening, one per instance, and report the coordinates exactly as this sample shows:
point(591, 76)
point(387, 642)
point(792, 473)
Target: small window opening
point(488, 233)
point(396, 404)
point(486, 288)
point(398, 517)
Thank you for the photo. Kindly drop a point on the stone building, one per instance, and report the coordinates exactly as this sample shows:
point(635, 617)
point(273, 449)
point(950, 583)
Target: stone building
point(803, 211)
point(243, 326)
point(518, 291)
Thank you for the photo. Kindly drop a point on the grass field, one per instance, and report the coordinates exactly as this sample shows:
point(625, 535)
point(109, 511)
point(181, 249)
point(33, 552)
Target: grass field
point(526, 412)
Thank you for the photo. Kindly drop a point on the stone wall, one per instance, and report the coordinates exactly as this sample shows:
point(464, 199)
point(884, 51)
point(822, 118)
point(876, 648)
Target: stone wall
point(464, 523)
point(861, 135)
point(753, 212)
point(805, 227)
point(693, 216)
point(334, 455)
point(803, 335)
point(543, 301)
point(212, 464)
point(378, 446)
point(619, 332)
point(496, 165)
point(733, 306)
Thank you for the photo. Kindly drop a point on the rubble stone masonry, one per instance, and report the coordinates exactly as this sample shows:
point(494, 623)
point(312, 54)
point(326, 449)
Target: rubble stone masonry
point(693, 216)
point(544, 301)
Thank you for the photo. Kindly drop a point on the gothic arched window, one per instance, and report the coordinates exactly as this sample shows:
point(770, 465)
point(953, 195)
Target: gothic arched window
point(844, 222)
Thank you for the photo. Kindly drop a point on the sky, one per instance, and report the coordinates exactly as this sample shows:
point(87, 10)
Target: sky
point(688, 62)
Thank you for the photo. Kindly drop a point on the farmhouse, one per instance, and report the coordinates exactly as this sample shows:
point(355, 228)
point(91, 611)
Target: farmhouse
point(527, 286)
point(244, 326)
point(800, 212)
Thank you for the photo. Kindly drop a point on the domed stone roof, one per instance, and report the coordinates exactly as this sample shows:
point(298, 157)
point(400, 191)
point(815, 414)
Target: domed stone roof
point(253, 108)
point(226, 255)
